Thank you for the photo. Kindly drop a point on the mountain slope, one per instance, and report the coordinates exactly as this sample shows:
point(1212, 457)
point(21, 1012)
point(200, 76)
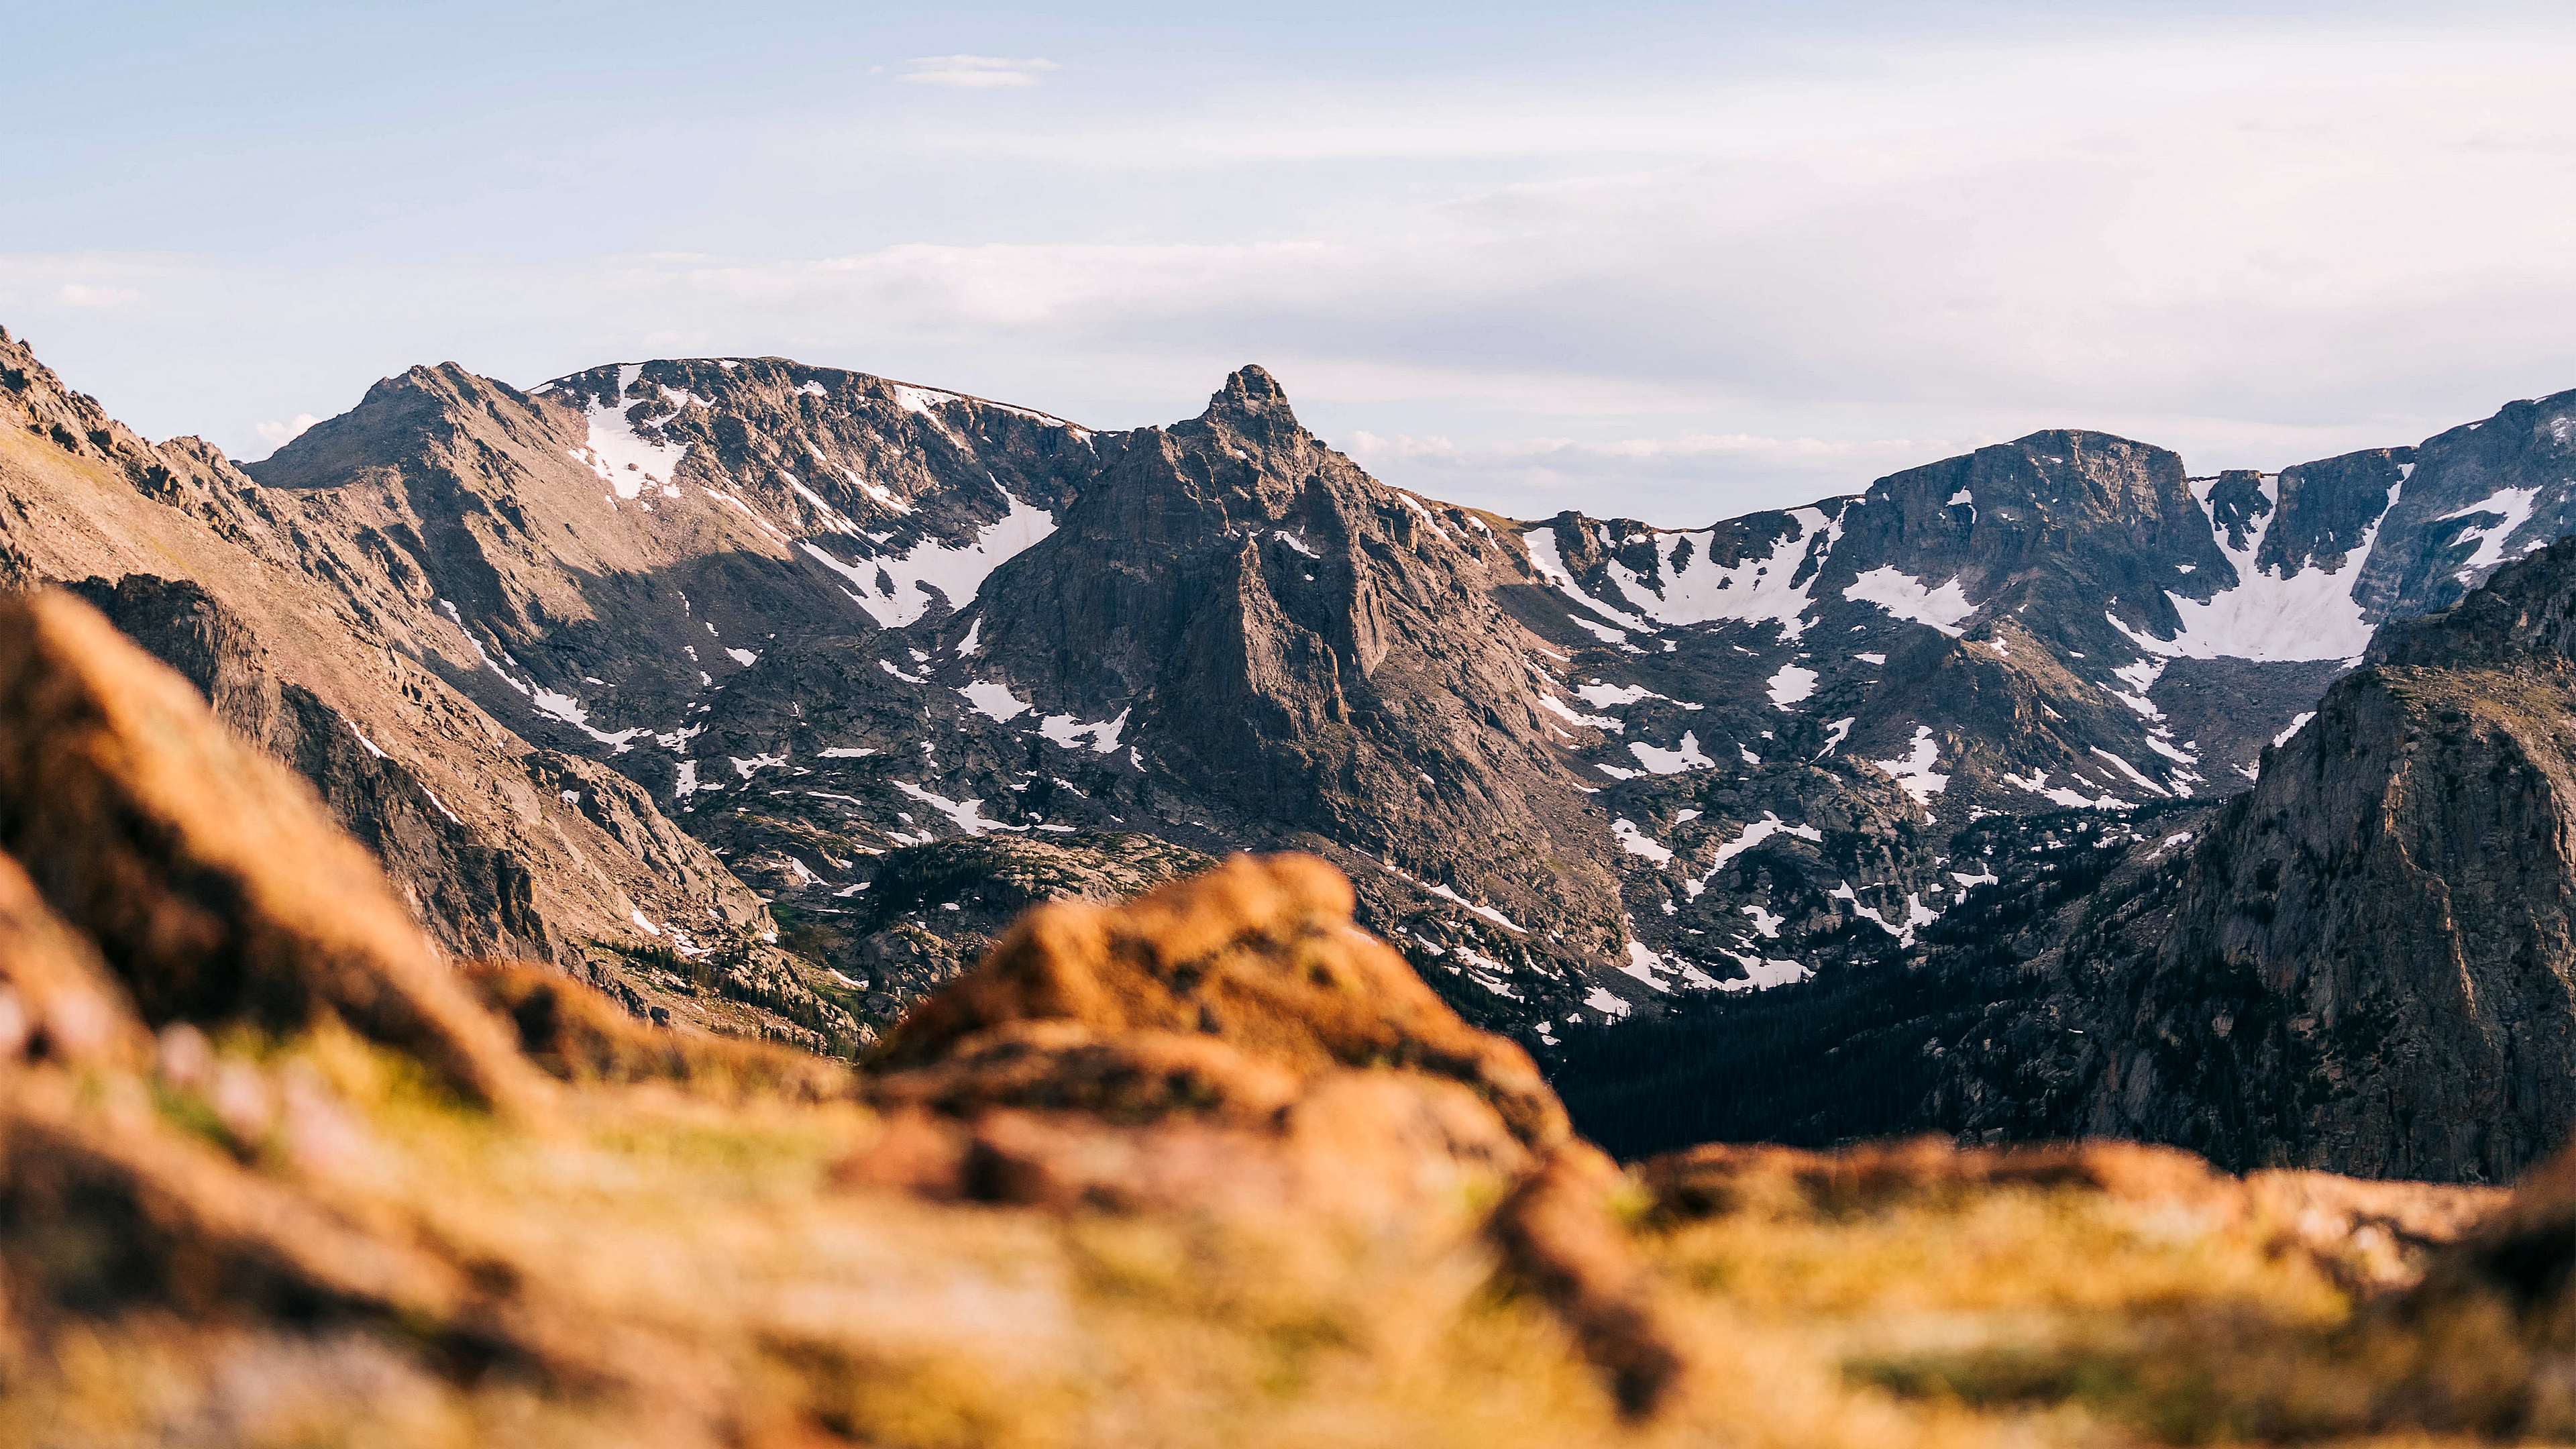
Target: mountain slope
point(288, 620)
point(2365, 961)
point(801, 621)
point(2371, 959)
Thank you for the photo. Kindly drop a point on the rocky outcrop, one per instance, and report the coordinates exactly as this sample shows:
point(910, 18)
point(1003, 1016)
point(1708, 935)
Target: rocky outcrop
point(168, 845)
point(2370, 964)
point(1233, 1038)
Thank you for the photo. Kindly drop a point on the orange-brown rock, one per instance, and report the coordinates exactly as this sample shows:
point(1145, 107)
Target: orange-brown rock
point(1231, 1043)
point(57, 1002)
point(1260, 954)
point(1129, 1077)
point(207, 875)
point(576, 1033)
point(1393, 1153)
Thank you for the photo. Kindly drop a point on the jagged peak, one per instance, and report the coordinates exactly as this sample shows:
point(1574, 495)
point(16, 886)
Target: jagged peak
point(1251, 391)
point(446, 379)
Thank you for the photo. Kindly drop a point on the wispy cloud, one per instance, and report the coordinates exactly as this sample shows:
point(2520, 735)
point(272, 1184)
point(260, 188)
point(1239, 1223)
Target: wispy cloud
point(278, 435)
point(1659, 301)
point(80, 294)
point(1688, 478)
point(976, 72)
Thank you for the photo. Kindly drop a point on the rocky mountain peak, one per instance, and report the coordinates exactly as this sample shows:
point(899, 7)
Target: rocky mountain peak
point(417, 412)
point(2328, 509)
point(1249, 389)
point(1253, 407)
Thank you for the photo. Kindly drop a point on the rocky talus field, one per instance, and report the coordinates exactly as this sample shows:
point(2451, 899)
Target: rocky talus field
point(1211, 1166)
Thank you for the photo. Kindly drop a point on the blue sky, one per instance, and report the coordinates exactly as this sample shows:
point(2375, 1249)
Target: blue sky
point(1673, 262)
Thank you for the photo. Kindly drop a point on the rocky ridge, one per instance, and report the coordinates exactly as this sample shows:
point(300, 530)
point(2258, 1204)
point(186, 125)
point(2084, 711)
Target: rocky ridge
point(2365, 961)
point(318, 640)
point(1576, 767)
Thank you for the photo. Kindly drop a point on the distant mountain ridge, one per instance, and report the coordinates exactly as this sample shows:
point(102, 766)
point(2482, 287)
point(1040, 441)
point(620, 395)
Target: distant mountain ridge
point(2365, 961)
point(804, 624)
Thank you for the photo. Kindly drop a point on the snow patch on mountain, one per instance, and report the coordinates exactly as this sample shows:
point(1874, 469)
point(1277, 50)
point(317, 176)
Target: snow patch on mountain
point(1793, 683)
point(1071, 733)
point(1689, 587)
point(955, 572)
point(2037, 784)
point(1685, 756)
point(1762, 975)
point(2125, 768)
point(1611, 696)
point(994, 701)
point(1637, 842)
point(624, 459)
point(1754, 834)
point(2512, 508)
point(2305, 614)
point(1550, 565)
point(1914, 773)
point(1944, 608)
point(1567, 713)
point(966, 815)
point(884, 496)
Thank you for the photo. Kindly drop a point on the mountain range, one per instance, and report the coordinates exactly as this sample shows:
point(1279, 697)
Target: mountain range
point(763, 695)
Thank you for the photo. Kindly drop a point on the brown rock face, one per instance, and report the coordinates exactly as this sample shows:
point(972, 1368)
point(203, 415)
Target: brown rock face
point(1232, 1041)
point(57, 1000)
point(1259, 954)
point(201, 870)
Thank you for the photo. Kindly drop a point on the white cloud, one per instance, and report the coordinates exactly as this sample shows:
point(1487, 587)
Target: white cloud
point(1656, 300)
point(975, 72)
point(81, 294)
point(1685, 479)
point(278, 435)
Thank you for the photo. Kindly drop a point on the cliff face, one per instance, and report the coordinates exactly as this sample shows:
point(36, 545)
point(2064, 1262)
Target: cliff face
point(2371, 961)
point(2365, 962)
point(2475, 496)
